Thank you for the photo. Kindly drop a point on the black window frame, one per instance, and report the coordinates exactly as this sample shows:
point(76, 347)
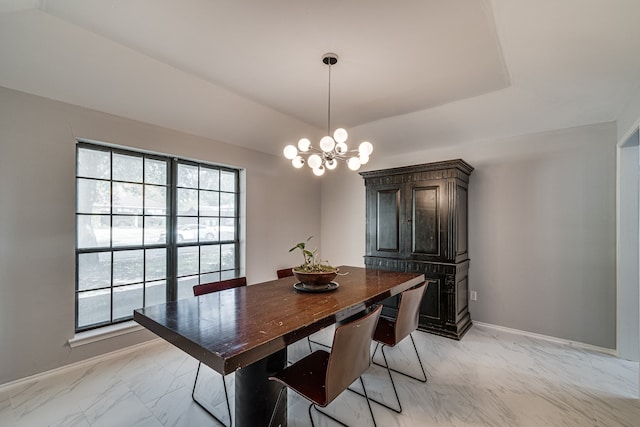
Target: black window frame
point(171, 244)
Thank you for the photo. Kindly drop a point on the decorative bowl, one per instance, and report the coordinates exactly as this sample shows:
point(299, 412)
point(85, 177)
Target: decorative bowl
point(315, 280)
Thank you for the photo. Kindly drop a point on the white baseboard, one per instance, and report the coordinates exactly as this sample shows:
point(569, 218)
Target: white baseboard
point(81, 363)
point(576, 344)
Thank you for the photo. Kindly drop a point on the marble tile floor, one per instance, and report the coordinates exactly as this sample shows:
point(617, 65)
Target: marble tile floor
point(490, 378)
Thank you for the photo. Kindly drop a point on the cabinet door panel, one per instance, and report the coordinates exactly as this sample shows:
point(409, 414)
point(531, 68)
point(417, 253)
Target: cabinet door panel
point(425, 227)
point(461, 222)
point(388, 220)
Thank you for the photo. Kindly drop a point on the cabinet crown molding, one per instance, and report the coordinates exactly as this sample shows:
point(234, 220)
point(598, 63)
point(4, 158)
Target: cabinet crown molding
point(458, 164)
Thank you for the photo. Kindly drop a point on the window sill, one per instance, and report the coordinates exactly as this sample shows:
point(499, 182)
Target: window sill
point(88, 337)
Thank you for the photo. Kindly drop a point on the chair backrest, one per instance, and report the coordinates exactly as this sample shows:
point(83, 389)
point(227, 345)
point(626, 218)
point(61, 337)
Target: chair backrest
point(285, 272)
point(408, 311)
point(207, 288)
point(350, 353)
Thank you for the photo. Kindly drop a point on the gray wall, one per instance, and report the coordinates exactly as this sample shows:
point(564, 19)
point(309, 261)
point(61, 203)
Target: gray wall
point(37, 205)
point(542, 229)
point(628, 253)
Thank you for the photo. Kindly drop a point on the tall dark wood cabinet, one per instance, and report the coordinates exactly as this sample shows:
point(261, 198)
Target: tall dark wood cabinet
point(417, 221)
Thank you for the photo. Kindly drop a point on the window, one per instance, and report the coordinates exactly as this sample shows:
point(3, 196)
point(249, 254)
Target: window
point(148, 228)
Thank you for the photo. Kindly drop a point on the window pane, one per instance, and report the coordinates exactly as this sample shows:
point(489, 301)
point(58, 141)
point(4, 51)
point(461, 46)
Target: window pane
point(185, 286)
point(125, 300)
point(228, 255)
point(155, 200)
point(94, 163)
point(227, 204)
point(155, 293)
point(127, 230)
point(187, 176)
point(210, 277)
point(128, 267)
point(93, 231)
point(187, 202)
point(155, 171)
point(155, 230)
point(209, 258)
point(227, 229)
point(209, 178)
point(93, 196)
point(127, 198)
point(94, 270)
point(209, 203)
point(94, 307)
point(209, 229)
point(156, 264)
point(228, 274)
point(127, 168)
point(187, 230)
point(228, 181)
point(188, 260)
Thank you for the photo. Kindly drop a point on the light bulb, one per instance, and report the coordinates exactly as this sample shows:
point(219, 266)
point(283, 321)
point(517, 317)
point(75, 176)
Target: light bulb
point(340, 135)
point(365, 148)
point(327, 143)
point(314, 161)
point(297, 162)
point(364, 158)
point(290, 151)
point(304, 144)
point(331, 164)
point(341, 148)
point(319, 171)
point(353, 163)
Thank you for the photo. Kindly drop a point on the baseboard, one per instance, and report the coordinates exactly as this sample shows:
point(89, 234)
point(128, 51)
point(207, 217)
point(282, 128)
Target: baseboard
point(79, 364)
point(576, 344)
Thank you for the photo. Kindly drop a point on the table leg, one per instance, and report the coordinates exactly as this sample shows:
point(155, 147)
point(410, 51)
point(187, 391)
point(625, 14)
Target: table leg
point(256, 396)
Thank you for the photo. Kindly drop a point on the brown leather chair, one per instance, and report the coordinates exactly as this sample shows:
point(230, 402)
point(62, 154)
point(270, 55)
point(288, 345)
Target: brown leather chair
point(285, 272)
point(390, 332)
point(207, 288)
point(320, 377)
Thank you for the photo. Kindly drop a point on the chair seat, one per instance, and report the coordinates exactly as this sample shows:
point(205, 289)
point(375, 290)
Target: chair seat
point(307, 377)
point(385, 332)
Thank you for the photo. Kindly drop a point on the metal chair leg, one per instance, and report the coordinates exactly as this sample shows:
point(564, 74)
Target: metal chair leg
point(309, 340)
point(400, 372)
point(226, 397)
point(393, 384)
point(275, 408)
point(366, 397)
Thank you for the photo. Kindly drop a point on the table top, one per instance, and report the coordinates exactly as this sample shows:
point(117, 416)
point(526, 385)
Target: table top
point(230, 329)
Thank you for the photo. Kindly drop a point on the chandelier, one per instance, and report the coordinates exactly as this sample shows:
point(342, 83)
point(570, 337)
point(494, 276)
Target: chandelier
point(331, 148)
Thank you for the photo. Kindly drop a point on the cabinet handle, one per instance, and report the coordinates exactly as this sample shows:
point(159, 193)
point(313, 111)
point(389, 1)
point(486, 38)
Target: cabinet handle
point(409, 220)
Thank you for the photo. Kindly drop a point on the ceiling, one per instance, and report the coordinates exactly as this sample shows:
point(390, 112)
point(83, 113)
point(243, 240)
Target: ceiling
point(411, 75)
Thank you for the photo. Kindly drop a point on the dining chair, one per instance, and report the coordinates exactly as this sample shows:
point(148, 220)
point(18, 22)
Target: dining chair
point(321, 376)
point(207, 288)
point(390, 332)
point(285, 272)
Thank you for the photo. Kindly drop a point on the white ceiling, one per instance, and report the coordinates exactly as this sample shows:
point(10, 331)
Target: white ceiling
point(411, 74)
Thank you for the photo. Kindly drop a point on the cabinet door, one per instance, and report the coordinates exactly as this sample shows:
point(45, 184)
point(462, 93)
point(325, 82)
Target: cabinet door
point(383, 221)
point(427, 209)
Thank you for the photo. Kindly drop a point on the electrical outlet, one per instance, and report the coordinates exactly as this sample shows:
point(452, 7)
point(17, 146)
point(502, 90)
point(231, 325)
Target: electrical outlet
point(473, 295)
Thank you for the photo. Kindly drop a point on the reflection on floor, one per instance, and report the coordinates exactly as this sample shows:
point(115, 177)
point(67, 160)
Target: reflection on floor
point(490, 378)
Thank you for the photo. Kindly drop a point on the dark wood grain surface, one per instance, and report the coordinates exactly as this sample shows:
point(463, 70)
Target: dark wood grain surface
point(231, 329)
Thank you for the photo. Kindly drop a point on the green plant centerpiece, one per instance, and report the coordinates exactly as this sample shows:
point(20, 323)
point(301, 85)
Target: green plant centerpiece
point(314, 273)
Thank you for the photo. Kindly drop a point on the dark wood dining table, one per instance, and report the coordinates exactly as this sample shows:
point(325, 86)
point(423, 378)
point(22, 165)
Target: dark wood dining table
point(247, 330)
